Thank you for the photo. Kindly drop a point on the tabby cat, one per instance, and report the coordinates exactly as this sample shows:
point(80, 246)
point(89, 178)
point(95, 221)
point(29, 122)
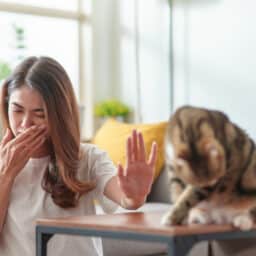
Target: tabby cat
point(212, 167)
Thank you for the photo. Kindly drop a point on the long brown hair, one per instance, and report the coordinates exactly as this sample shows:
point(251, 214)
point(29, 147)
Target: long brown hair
point(49, 78)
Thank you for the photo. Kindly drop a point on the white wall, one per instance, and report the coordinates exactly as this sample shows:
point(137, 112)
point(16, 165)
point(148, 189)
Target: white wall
point(215, 57)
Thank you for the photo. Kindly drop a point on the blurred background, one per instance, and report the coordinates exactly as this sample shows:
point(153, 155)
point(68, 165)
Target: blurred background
point(111, 50)
point(150, 55)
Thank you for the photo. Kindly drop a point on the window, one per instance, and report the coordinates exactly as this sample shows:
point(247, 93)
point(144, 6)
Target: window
point(52, 28)
point(42, 36)
point(56, 4)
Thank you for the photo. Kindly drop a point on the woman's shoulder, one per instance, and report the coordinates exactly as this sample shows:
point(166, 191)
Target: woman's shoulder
point(93, 159)
point(85, 147)
point(90, 152)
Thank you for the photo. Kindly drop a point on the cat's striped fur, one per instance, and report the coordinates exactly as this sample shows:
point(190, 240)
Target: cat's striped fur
point(212, 167)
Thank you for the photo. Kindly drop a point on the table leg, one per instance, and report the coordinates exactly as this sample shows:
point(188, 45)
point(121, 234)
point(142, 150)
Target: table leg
point(180, 246)
point(41, 243)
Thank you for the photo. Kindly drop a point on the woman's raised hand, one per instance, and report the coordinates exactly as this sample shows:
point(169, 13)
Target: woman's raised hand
point(15, 152)
point(136, 178)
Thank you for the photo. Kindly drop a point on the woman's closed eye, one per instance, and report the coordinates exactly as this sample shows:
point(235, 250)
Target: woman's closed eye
point(38, 114)
point(41, 116)
point(17, 110)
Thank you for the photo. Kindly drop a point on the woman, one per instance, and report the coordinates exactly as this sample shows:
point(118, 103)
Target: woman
point(46, 172)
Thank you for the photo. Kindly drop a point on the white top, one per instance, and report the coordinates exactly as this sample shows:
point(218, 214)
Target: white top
point(28, 202)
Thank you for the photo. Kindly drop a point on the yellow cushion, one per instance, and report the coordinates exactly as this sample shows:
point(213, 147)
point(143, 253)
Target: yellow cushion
point(112, 136)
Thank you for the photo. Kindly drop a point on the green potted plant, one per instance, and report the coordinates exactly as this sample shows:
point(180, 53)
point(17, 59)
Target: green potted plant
point(111, 108)
point(5, 70)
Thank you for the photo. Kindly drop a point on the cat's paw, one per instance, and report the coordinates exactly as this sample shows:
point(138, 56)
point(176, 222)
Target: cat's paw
point(171, 218)
point(243, 222)
point(199, 216)
point(167, 219)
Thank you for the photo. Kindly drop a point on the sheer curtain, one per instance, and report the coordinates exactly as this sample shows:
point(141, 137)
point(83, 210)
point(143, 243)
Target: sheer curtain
point(145, 58)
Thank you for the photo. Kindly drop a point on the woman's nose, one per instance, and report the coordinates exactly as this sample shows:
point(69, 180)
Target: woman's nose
point(26, 122)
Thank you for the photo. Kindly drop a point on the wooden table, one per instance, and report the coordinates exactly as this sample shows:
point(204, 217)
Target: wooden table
point(135, 226)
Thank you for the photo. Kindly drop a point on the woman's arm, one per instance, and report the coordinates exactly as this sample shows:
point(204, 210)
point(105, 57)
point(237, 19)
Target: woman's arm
point(5, 189)
point(130, 187)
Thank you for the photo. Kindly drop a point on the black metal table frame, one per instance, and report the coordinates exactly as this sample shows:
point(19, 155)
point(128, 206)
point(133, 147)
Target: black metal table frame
point(177, 245)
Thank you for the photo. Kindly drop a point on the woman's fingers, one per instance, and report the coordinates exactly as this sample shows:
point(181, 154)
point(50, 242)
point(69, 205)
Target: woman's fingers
point(120, 171)
point(36, 144)
point(22, 140)
point(20, 137)
point(129, 150)
point(136, 150)
point(134, 146)
point(27, 141)
point(153, 155)
point(31, 142)
point(7, 137)
point(142, 150)
point(17, 151)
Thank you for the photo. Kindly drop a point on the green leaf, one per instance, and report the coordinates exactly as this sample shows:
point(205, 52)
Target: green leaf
point(5, 70)
point(111, 108)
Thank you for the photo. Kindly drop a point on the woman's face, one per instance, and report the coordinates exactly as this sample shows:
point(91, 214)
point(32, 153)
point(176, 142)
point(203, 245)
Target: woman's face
point(26, 108)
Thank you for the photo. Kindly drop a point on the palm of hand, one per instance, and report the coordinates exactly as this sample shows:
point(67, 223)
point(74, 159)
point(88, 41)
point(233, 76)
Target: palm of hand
point(136, 178)
point(138, 181)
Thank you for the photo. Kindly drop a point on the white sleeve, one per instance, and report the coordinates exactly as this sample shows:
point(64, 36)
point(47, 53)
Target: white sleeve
point(102, 170)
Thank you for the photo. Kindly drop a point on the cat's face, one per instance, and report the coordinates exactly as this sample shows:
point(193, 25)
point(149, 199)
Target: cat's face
point(193, 151)
point(200, 170)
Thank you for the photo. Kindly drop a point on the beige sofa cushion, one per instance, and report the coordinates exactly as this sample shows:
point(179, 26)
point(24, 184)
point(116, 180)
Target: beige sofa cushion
point(236, 247)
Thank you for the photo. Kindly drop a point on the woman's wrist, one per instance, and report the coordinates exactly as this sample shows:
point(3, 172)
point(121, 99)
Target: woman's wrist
point(6, 177)
point(132, 203)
